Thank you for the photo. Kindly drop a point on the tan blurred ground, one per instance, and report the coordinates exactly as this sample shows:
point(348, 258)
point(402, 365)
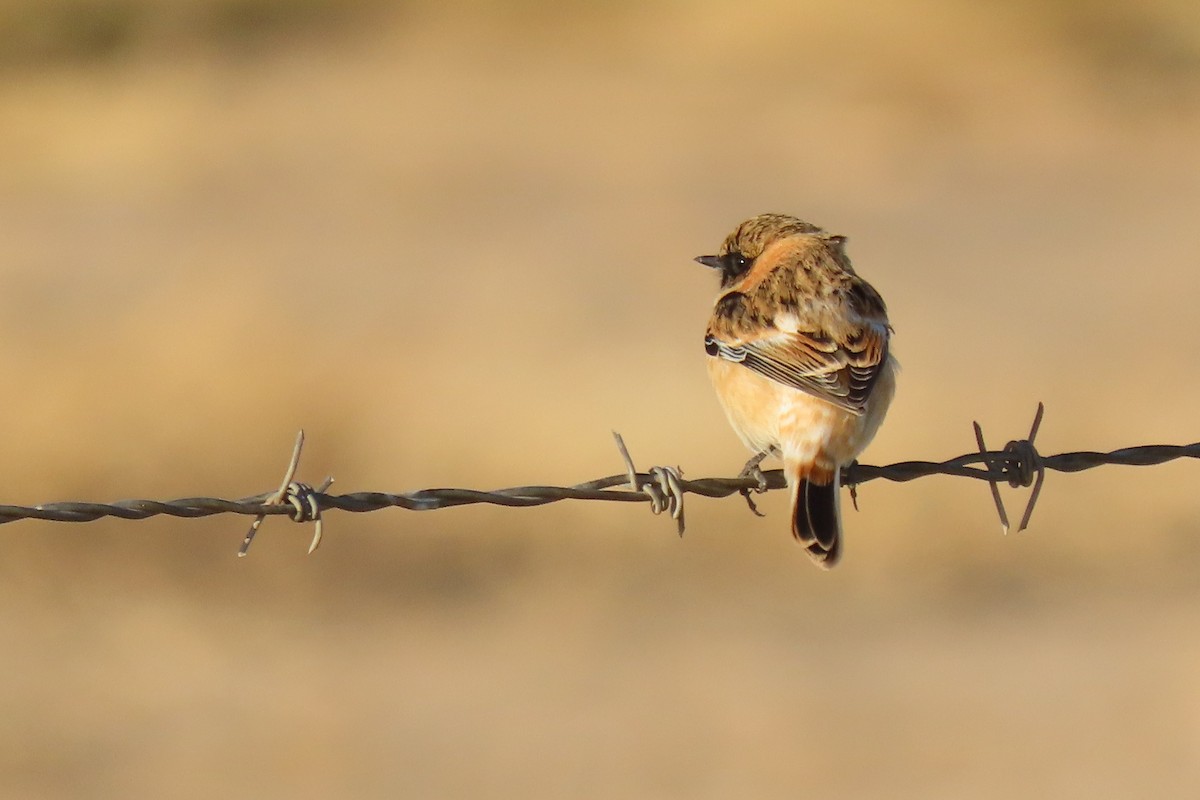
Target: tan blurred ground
point(453, 242)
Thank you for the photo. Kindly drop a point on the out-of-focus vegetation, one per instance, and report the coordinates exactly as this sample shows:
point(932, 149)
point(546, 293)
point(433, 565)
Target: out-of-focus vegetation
point(48, 32)
point(453, 242)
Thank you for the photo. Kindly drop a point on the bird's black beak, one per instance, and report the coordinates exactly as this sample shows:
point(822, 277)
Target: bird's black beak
point(713, 262)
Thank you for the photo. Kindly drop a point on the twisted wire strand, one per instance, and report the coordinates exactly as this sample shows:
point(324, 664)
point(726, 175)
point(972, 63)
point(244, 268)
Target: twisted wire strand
point(964, 466)
point(1019, 464)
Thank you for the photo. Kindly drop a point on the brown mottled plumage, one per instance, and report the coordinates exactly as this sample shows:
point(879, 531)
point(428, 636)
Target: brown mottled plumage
point(800, 361)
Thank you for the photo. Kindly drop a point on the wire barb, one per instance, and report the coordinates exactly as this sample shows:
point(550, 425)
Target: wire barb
point(299, 499)
point(1020, 464)
point(1030, 464)
point(663, 485)
point(992, 468)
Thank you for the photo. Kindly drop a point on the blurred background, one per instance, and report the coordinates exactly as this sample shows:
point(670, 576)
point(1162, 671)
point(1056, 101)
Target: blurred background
point(453, 242)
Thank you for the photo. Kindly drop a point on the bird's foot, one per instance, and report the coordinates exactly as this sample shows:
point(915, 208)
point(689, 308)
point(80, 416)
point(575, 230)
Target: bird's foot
point(752, 470)
point(853, 486)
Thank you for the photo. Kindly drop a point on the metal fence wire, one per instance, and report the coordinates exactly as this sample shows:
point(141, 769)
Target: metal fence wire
point(1018, 464)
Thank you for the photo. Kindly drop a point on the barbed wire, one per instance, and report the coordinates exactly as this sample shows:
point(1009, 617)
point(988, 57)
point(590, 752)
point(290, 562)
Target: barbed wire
point(1018, 464)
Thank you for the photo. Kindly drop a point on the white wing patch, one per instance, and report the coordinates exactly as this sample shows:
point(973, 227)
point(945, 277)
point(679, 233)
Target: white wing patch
point(787, 322)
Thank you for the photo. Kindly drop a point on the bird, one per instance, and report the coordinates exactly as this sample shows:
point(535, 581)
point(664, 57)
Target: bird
point(799, 353)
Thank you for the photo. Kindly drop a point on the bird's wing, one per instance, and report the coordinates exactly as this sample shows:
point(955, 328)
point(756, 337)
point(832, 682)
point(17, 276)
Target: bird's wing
point(839, 369)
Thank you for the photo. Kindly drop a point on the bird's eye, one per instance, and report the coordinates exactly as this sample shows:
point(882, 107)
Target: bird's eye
point(738, 263)
point(733, 266)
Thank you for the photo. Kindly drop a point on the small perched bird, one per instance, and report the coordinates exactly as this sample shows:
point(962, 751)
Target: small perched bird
point(798, 349)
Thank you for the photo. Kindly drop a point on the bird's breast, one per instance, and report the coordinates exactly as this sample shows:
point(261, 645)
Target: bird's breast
point(805, 428)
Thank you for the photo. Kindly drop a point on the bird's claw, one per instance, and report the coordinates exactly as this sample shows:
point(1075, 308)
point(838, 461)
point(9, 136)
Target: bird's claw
point(854, 487)
point(752, 470)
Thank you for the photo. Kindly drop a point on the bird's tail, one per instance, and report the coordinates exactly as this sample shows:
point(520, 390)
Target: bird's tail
point(817, 517)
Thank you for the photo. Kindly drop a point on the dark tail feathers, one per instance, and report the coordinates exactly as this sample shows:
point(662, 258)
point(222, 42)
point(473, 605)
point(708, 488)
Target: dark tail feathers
point(817, 519)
